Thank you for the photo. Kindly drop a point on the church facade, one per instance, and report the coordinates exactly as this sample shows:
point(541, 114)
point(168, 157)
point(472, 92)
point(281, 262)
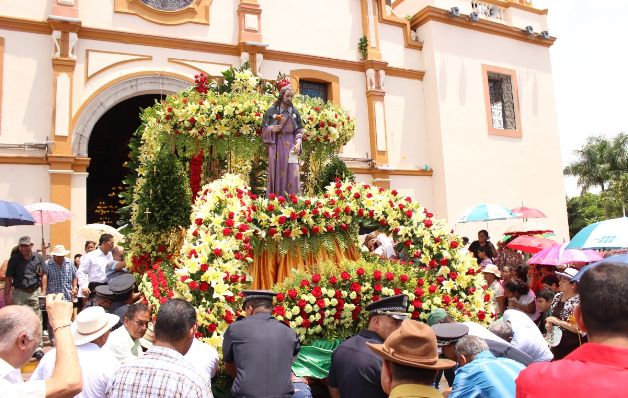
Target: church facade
point(453, 99)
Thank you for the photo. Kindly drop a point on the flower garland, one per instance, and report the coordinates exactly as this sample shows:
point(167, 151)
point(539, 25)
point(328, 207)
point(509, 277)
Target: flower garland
point(229, 222)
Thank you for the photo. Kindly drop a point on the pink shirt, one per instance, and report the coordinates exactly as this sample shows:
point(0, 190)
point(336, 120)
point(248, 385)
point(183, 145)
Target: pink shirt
point(592, 370)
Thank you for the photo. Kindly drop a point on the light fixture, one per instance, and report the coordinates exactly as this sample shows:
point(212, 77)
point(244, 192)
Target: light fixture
point(529, 30)
point(454, 12)
point(545, 35)
point(474, 16)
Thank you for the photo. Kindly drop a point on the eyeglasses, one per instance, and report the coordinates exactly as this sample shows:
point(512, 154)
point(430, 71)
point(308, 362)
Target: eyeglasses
point(140, 324)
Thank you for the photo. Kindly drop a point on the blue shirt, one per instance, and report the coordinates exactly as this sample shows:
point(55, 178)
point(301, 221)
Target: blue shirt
point(487, 377)
point(60, 277)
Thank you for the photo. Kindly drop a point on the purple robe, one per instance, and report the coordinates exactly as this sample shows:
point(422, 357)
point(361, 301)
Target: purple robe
point(283, 178)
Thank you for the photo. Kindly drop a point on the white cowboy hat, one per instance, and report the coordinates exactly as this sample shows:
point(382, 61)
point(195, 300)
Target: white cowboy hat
point(91, 323)
point(59, 251)
point(148, 339)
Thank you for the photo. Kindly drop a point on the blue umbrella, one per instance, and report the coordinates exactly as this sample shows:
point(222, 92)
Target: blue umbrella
point(486, 212)
point(12, 213)
point(620, 258)
point(610, 234)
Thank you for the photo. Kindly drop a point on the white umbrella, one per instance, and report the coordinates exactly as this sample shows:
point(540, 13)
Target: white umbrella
point(93, 231)
point(609, 234)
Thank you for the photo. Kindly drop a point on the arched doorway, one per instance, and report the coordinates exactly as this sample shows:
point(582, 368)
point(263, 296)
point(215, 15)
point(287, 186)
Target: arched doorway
point(108, 150)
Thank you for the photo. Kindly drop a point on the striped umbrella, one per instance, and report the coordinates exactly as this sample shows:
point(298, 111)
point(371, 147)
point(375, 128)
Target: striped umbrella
point(486, 212)
point(609, 234)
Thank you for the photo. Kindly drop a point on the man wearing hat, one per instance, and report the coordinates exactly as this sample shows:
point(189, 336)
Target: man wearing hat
point(124, 342)
point(116, 295)
point(355, 370)
point(259, 350)
point(59, 274)
point(23, 281)
point(90, 331)
point(410, 361)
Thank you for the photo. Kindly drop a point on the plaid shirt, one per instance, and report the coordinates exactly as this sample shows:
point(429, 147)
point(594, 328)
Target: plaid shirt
point(60, 277)
point(160, 373)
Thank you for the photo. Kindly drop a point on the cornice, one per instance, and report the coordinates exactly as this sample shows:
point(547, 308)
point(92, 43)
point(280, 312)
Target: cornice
point(392, 172)
point(430, 13)
point(25, 25)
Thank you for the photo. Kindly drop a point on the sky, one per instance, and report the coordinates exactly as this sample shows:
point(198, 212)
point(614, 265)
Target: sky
point(590, 70)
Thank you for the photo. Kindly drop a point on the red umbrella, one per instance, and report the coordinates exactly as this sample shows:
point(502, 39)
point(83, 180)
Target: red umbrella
point(528, 212)
point(530, 244)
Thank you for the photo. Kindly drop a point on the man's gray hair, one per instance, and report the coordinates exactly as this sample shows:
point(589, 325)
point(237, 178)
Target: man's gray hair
point(16, 320)
point(502, 329)
point(470, 347)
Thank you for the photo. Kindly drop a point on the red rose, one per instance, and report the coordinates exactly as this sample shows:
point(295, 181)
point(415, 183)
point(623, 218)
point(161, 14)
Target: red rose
point(383, 222)
point(281, 199)
point(360, 212)
point(432, 289)
point(355, 287)
point(211, 328)
point(287, 232)
point(305, 283)
point(293, 216)
point(418, 292)
point(193, 285)
point(333, 280)
point(243, 227)
point(487, 298)
point(433, 263)
point(281, 220)
point(444, 261)
point(403, 278)
point(229, 222)
point(279, 310)
point(427, 223)
point(377, 287)
point(306, 322)
point(417, 303)
point(320, 303)
point(407, 243)
point(198, 221)
point(217, 252)
point(460, 306)
point(377, 275)
point(272, 196)
point(453, 275)
point(375, 298)
point(292, 293)
point(390, 276)
point(227, 231)
point(356, 195)
point(270, 207)
point(204, 286)
point(345, 276)
point(316, 278)
point(316, 291)
point(301, 303)
point(272, 232)
point(446, 299)
point(481, 315)
point(394, 192)
point(239, 236)
point(440, 280)
point(184, 278)
point(453, 244)
point(316, 229)
point(329, 228)
point(360, 271)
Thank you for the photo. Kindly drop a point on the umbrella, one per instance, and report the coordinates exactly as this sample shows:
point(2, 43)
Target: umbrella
point(12, 213)
point(592, 255)
point(527, 228)
point(46, 213)
point(93, 231)
point(531, 244)
point(528, 212)
point(558, 255)
point(486, 212)
point(610, 234)
point(620, 259)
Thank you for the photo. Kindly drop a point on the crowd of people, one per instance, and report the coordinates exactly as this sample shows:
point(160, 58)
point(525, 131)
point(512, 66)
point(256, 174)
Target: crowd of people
point(111, 347)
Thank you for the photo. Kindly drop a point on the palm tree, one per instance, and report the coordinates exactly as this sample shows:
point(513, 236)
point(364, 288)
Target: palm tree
point(600, 161)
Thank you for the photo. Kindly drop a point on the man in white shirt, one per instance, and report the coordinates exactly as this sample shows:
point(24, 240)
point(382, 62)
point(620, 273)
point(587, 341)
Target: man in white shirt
point(89, 331)
point(519, 330)
point(19, 334)
point(92, 271)
point(203, 357)
point(124, 342)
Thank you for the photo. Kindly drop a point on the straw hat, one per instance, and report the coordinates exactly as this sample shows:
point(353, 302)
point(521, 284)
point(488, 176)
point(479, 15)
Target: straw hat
point(59, 251)
point(91, 323)
point(413, 344)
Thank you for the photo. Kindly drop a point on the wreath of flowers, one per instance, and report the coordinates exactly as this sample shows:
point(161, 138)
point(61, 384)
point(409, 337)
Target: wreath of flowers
point(229, 223)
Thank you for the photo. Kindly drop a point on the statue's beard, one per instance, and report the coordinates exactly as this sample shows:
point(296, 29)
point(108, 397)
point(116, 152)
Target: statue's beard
point(287, 102)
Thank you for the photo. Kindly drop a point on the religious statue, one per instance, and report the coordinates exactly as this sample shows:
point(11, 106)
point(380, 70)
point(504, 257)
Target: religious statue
point(282, 132)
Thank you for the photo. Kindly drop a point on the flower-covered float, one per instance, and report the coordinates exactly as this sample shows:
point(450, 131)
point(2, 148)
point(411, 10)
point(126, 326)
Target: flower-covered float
point(304, 247)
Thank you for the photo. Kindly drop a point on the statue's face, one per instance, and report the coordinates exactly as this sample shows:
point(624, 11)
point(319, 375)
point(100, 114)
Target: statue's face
point(287, 97)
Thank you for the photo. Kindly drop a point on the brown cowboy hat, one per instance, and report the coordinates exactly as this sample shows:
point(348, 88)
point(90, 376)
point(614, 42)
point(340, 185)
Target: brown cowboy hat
point(413, 344)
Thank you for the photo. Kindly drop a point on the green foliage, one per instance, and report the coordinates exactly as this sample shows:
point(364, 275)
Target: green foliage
point(165, 200)
point(600, 162)
point(589, 208)
point(336, 168)
point(363, 46)
point(126, 196)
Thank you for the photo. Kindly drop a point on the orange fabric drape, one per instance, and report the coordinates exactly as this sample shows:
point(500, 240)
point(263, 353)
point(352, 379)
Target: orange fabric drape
point(269, 268)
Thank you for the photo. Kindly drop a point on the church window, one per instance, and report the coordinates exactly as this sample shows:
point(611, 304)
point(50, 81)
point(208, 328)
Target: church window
point(502, 102)
point(313, 89)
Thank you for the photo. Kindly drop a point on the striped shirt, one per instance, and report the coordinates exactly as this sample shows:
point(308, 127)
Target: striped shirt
point(160, 373)
point(60, 277)
point(486, 377)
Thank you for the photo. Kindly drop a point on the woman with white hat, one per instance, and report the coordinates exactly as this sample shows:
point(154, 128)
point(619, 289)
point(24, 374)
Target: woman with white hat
point(491, 275)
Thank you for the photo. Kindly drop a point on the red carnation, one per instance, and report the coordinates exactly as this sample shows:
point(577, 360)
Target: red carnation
point(481, 315)
point(355, 287)
point(360, 271)
point(356, 195)
point(227, 231)
point(427, 223)
point(403, 278)
point(272, 196)
point(316, 278)
point(229, 222)
point(377, 275)
point(281, 220)
point(198, 221)
point(377, 287)
point(333, 280)
point(292, 293)
point(193, 285)
point(390, 276)
point(204, 286)
point(217, 252)
point(418, 292)
point(453, 244)
point(211, 328)
point(270, 207)
point(460, 305)
point(279, 310)
point(345, 276)
point(305, 283)
point(432, 289)
point(433, 263)
point(446, 299)
point(316, 229)
point(444, 261)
